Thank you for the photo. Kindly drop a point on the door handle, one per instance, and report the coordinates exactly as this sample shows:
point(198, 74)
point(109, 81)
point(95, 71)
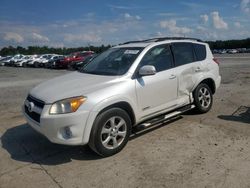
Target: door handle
point(172, 77)
point(198, 69)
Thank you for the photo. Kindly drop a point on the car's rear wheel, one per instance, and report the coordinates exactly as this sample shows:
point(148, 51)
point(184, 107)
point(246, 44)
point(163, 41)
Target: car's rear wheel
point(203, 98)
point(36, 64)
point(110, 132)
point(70, 67)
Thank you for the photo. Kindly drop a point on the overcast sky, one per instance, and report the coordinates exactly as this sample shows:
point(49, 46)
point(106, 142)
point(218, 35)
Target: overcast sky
point(65, 23)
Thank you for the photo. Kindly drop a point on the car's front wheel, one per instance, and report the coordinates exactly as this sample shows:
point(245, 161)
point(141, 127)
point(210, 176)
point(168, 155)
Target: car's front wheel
point(203, 98)
point(110, 132)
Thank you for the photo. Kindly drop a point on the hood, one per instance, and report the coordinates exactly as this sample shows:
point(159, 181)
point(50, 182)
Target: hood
point(70, 85)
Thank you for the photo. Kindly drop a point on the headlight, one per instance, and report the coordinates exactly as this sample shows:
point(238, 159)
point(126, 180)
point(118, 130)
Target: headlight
point(67, 105)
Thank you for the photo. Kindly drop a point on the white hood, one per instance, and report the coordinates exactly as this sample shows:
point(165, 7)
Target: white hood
point(70, 85)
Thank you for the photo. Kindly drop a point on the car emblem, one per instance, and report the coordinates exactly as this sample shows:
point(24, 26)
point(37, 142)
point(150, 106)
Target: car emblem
point(30, 106)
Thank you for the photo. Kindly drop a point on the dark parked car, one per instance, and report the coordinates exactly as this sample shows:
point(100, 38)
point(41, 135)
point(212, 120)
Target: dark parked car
point(76, 65)
point(53, 61)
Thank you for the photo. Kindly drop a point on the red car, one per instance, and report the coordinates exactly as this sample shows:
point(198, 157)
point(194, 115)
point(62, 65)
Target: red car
point(78, 56)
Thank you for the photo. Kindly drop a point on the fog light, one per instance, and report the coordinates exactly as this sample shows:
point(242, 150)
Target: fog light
point(67, 133)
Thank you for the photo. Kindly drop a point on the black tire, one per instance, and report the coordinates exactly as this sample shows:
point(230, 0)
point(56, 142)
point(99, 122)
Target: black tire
point(203, 98)
point(24, 64)
point(36, 64)
point(96, 138)
point(69, 67)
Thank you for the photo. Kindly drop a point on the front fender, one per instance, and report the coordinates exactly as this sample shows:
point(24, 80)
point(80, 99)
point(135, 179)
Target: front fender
point(100, 106)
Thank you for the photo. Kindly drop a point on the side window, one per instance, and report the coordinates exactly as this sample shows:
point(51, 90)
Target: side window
point(160, 57)
point(200, 52)
point(183, 53)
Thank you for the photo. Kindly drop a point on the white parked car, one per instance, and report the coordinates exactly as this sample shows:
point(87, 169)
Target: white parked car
point(15, 59)
point(138, 83)
point(34, 61)
point(22, 61)
point(233, 51)
point(39, 61)
point(5, 60)
point(45, 59)
point(27, 62)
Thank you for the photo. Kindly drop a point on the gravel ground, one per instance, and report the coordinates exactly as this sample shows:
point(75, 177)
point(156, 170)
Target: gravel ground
point(209, 150)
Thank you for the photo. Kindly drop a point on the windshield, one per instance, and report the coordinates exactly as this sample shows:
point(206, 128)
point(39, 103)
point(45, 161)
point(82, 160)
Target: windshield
point(115, 61)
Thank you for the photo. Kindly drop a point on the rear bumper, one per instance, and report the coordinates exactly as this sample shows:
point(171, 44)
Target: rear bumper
point(217, 82)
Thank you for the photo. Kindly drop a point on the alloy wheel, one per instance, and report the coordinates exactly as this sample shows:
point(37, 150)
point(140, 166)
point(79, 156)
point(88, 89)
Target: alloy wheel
point(204, 97)
point(113, 132)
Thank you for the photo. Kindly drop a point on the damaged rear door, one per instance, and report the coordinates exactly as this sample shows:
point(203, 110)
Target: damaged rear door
point(186, 69)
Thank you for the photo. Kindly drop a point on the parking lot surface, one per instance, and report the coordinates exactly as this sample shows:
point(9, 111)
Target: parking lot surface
point(209, 150)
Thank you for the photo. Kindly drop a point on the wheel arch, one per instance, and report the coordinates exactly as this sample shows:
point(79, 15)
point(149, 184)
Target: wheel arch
point(211, 84)
point(124, 106)
point(208, 81)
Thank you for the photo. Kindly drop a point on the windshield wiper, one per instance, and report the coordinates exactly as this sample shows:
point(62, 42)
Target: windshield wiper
point(98, 72)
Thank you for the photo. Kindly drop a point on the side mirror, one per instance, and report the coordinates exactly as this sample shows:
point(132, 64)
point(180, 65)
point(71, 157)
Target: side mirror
point(147, 70)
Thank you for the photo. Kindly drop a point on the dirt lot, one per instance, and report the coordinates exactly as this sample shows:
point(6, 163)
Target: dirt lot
point(210, 150)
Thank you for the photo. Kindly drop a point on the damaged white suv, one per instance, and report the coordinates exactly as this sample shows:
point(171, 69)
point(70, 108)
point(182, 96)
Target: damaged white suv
point(136, 83)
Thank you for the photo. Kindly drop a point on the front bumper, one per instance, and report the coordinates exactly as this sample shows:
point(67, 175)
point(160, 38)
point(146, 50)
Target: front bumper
point(18, 64)
point(55, 127)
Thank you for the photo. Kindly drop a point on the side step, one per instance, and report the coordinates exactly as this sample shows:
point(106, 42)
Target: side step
point(165, 117)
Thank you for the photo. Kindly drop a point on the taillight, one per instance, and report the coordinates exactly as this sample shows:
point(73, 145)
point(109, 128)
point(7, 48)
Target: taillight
point(216, 61)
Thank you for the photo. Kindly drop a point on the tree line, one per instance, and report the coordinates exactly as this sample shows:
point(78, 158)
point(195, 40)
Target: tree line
point(30, 50)
point(228, 44)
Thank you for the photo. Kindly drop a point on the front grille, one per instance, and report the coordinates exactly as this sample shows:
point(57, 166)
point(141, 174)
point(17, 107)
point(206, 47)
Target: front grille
point(33, 115)
point(38, 103)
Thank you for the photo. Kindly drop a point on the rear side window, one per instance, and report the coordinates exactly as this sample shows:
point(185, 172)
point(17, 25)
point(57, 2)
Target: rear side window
point(183, 53)
point(200, 52)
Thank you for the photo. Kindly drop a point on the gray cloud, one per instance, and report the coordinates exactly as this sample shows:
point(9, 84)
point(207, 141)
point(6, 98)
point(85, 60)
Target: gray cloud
point(15, 37)
point(245, 6)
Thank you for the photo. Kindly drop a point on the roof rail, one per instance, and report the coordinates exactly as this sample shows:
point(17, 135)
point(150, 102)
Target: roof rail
point(162, 39)
point(178, 38)
point(138, 41)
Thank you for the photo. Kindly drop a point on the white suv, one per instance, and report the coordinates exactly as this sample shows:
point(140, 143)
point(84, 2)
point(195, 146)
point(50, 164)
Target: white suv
point(133, 84)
